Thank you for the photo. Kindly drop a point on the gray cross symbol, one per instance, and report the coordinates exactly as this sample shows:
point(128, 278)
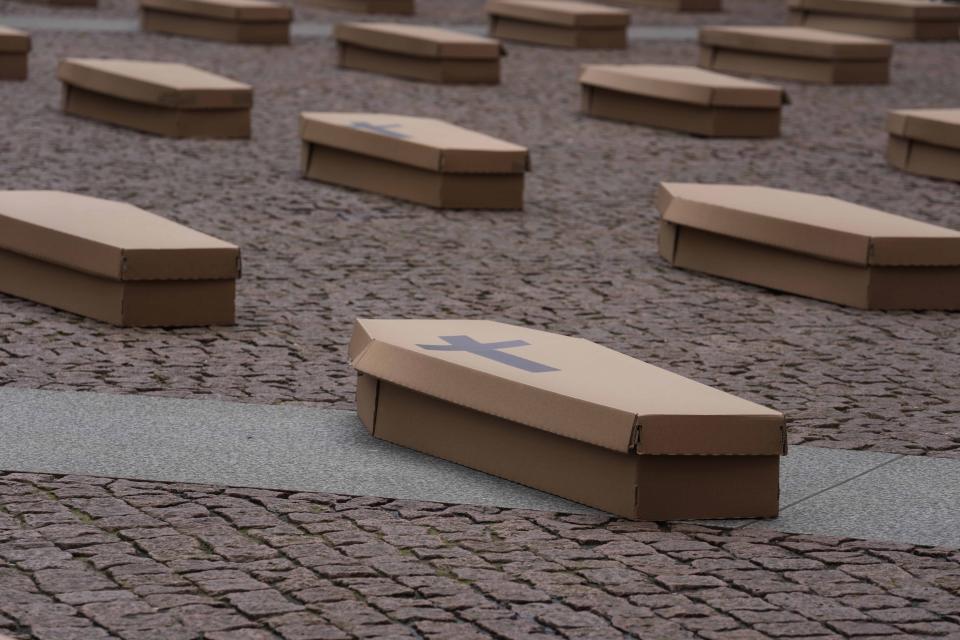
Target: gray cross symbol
point(491, 351)
point(381, 129)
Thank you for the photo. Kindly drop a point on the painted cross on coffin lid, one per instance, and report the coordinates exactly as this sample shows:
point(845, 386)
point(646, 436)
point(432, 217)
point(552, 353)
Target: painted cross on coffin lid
point(491, 351)
point(380, 129)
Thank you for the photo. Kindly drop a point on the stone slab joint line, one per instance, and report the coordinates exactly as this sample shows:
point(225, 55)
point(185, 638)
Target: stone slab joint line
point(755, 523)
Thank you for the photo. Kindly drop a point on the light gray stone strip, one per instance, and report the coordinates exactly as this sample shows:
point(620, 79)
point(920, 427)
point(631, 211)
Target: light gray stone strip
point(834, 492)
point(230, 443)
point(910, 499)
point(304, 29)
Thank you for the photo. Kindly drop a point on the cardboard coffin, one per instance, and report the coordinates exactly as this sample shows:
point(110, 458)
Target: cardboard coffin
point(422, 160)
point(559, 23)
point(569, 417)
point(796, 53)
point(113, 262)
point(14, 49)
point(673, 5)
point(67, 3)
point(925, 142)
point(810, 245)
point(246, 21)
point(402, 7)
point(163, 98)
point(418, 52)
point(682, 98)
point(894, 19)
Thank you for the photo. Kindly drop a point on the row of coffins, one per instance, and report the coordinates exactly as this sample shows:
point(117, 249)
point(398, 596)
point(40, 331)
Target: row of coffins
point(513, 401)
point(567, 23)
point(446, 56)
point(114, 262)
point(180, 101)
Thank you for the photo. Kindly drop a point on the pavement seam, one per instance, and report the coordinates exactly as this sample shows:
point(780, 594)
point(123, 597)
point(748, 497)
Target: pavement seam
point(822, 491)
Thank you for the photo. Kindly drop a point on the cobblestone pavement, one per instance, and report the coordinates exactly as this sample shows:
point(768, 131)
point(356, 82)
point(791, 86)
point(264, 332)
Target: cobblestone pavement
point(581, 259)
point(93, 558)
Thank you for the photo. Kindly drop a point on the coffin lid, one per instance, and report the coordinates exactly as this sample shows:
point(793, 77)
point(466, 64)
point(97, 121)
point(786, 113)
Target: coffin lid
point(811, 224)
point(418, 40)
point(166, 84)
point(236, 10)
point(798, 41)
point(560, 12)
point(567, 386)
point(935, 126)
point(419, 142)
point(897, 9)
point(683, 84)
point(110, 239)
point(13, 40)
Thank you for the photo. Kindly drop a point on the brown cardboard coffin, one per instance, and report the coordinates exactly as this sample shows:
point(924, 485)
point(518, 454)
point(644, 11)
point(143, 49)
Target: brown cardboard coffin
point(402, 7)
point(422, 160)
point(559, 23)
point(925, 142)
point(242, 21)
point(682, 98)
point(567, 416)
point(682, 6)
point(810, 245)
point(418, 52)
point(796, 53)
point(66, 3)
point(14, 49)
point(163, 98)
point(894, 19)
point(113, 262)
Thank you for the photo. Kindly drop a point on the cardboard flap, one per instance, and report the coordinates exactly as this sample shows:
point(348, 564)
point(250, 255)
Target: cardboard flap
point(13, 40)
point(807, 223)
point(566, 386)
point(799, 42)
point(420, 142)
point(237, 10)
point(560, 12)
point(161, 83)
point(921, 10)
point(110, 239)
point(935, 126)
point(416, 40)
point(683, 84)
point(731, 435)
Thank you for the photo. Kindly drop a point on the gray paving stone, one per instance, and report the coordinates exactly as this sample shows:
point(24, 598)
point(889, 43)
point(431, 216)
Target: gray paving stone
point(912, 499)
point(208, 441)
point(824, 491)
